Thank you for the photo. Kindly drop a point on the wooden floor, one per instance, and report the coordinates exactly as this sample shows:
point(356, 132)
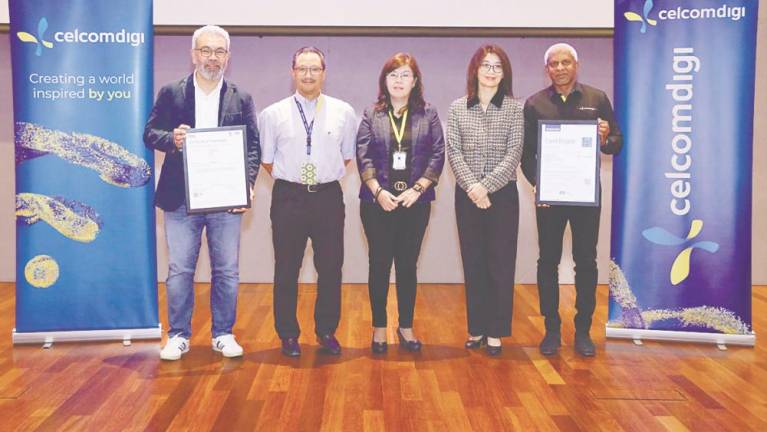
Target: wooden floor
point(657, 386)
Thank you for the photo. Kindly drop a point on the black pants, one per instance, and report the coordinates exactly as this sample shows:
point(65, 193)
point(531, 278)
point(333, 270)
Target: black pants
point(488, 241)
point(394, 236)
point(584, 224)
point(298, 215)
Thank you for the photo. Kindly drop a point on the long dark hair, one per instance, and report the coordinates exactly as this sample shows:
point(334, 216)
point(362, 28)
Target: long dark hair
point(472, 82)
point(415, 101)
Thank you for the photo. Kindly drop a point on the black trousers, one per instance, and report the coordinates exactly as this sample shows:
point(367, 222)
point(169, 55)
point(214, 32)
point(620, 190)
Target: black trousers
point(584, 224)
point(394, 236)
point(488, 240)
point(298, 215)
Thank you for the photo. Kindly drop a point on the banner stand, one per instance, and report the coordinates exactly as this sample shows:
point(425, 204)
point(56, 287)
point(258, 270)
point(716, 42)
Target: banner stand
point(680, 336)
point(124, 335)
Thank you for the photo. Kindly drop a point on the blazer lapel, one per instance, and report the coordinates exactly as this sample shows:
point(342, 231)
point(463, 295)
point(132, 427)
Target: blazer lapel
point(223, 105)
point(188, 114)
point(384, 128)
point(416, 128)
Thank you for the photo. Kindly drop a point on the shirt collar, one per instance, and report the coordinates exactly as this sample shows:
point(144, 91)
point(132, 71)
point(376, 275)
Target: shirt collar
point(306, 102)
point(577, 89)
point(497, 100)
point(216, 90)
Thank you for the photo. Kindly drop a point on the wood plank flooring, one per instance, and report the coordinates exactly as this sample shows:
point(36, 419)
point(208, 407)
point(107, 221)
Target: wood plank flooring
point(657, 386)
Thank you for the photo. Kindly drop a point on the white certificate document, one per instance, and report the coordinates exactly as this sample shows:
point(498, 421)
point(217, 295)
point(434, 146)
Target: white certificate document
point(215, 168)
point(568, 163)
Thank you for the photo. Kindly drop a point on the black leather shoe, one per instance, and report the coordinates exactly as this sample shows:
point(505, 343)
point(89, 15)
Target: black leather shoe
point(410, 345)
point(475, 343)
point(378, 347)
point(584, 345)
point(493, 350)
point(329, 344)
point(550, 344)
point(290, 347)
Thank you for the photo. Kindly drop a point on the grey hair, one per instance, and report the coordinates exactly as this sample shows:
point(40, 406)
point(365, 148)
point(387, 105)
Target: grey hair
point(558, 47)
point(305, 50)
point(213, 29)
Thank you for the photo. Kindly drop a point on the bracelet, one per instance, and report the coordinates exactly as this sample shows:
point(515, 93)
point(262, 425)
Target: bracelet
point(378, 192)
point(418, 188)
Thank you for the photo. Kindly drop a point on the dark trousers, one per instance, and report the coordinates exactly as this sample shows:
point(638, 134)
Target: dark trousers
point(394, 236)
point(584, 224)
point(488, 240)
point(298, 215)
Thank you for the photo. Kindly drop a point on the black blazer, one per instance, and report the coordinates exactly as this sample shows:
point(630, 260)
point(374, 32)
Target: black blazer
point(175, 106)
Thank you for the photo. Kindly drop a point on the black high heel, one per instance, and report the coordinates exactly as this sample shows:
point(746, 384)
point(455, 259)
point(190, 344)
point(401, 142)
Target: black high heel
point(412, 345)
point(475, 343)
point(378, 347)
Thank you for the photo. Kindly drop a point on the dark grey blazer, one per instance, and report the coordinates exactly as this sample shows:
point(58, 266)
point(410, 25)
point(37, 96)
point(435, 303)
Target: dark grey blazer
point(175, 106)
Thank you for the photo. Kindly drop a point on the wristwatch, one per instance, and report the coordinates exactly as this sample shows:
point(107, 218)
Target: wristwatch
point(418, 188)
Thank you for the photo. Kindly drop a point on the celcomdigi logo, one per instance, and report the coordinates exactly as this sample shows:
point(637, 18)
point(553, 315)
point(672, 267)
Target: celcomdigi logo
point(724, 11)
point(77, 36)
point(680, 269)
point(42, 26)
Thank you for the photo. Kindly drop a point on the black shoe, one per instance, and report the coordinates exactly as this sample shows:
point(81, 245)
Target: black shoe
point(584, 345)
point(550, 344)
point(493, 350)
point(378, 347)
point(290, 347)
point(329, 344)
point(475, 343)
point(410, 345)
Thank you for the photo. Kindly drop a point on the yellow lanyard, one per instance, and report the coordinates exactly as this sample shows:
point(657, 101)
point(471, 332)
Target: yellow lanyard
point(398, 134)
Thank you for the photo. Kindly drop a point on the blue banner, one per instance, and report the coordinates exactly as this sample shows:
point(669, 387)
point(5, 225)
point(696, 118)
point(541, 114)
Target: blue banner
point(85, 237)
point(681, 221)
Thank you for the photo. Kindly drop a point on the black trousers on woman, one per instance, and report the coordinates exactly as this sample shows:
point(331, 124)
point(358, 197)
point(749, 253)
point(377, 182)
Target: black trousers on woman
point(394, 236)
point(488, 241)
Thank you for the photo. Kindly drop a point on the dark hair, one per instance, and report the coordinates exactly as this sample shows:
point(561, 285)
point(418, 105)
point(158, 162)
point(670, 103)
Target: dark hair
point(415, 101)
point(308, 49)
point(472, 82)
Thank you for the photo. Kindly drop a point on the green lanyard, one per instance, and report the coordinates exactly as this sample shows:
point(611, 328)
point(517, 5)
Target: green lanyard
point(398, 134)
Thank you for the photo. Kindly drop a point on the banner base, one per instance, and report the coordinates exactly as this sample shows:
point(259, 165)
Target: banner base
point(680, 336)
point(86, 335)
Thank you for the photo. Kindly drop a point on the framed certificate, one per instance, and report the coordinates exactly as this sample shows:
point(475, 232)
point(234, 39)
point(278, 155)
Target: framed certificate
point(568, 163)
point(215, 169)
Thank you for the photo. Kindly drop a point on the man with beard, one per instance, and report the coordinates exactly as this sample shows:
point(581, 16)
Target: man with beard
point(567, 99)
point(308, 139)
point(203, 99)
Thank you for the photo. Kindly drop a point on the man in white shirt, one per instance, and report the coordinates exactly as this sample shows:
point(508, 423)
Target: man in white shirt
point(202, 100)
point(308, 139)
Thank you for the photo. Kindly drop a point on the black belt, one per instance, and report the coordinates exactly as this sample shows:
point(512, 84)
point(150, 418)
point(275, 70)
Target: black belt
point(399, 186)
point(307, 187)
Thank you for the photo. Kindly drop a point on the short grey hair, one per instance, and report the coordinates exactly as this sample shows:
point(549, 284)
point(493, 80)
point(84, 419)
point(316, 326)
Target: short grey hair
point(561, 46)
point(306, 50)
point(213, 29)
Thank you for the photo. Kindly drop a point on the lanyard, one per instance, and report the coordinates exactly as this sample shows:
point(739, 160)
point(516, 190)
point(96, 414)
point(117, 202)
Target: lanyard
point(398, 134)
point(307, 126)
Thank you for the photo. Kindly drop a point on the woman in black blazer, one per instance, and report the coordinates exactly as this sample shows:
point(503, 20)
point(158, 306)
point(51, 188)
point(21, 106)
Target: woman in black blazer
point(400, 154)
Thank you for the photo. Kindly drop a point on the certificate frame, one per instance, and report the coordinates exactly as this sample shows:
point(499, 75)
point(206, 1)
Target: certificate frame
point(202, 201)
point(543, 196)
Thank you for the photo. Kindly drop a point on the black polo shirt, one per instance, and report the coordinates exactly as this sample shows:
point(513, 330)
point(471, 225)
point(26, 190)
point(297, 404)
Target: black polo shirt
point(583, 103)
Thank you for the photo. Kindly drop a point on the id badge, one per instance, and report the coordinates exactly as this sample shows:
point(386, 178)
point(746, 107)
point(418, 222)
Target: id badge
point(308, 173)
point(400, 160)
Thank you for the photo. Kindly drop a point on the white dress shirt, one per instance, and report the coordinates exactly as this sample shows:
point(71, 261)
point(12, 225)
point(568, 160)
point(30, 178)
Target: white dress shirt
point(206, 105)
point(283, 137)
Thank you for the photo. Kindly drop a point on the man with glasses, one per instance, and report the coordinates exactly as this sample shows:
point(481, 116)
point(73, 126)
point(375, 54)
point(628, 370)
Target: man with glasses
point(567, 99)
point(308, 139)
point(203, 99)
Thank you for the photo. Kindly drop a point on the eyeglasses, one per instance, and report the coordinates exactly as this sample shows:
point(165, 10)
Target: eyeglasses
point(494, 68)
point(404, 76)
point(206, 52)
point(314, 70)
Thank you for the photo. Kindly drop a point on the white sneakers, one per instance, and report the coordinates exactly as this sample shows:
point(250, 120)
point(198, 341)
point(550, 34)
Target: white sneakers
point(226, 345)
point(179, 345)
point(175, 348)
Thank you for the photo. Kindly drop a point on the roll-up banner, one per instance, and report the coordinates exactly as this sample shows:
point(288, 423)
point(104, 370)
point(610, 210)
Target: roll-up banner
point(85, 236)
point(681, 222)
